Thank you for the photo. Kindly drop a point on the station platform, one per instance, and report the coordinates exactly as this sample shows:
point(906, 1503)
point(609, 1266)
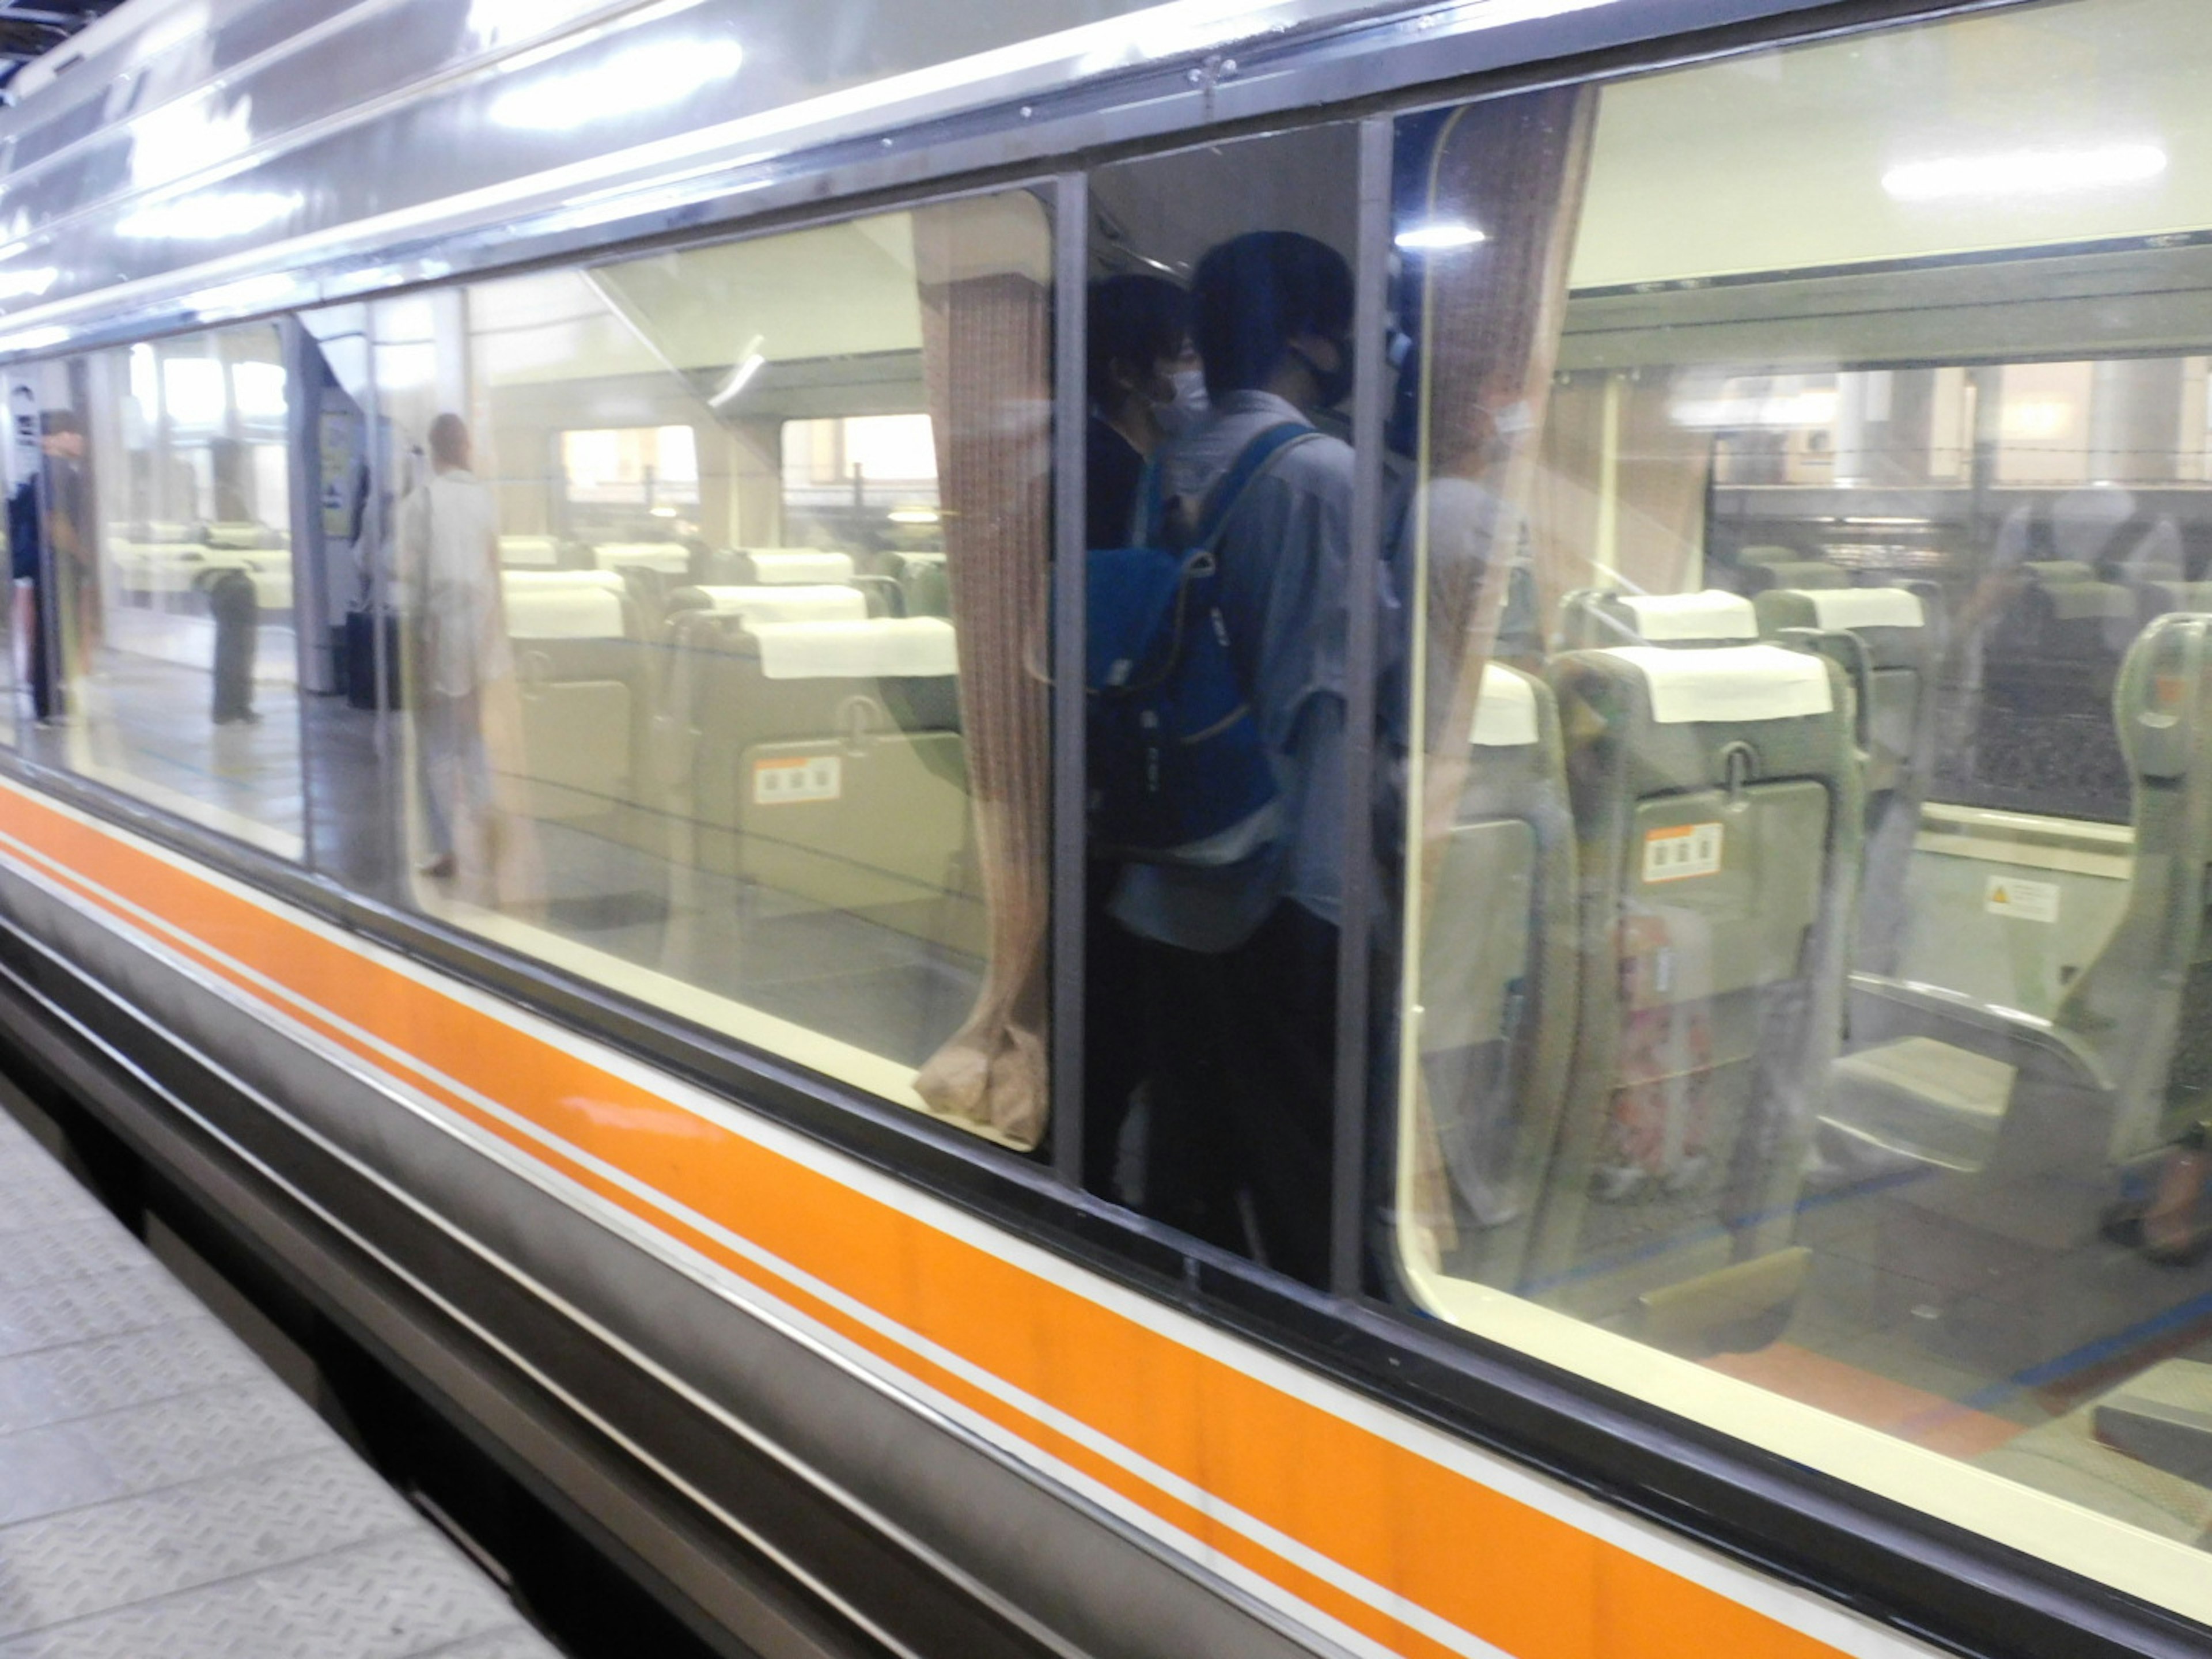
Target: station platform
point(164, 1496)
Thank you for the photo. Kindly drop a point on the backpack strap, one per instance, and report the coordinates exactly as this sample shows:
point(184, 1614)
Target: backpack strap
point(1223, 499)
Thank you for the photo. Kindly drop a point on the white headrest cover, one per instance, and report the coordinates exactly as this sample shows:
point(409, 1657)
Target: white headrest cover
point(670, 556)
point(1711, 614)
point(529, 550)
point(819, 603)
point(783, 565)
point(1731, 682)
point(564, 613)
point(878, 647)
point(1504, 710)
point(1867, 607)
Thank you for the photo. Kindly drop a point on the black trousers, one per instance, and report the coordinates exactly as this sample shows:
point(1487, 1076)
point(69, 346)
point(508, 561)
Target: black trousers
point(1242, 1096)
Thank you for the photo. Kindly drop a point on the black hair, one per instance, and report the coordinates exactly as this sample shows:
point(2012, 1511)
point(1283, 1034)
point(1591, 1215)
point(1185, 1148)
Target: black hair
point(57, 421)
point(449, 440)
point(1134, 319)
point(1253, 295)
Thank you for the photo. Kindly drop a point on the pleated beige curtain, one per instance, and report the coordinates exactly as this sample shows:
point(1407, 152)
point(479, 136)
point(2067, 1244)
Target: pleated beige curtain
point(1611, 437)
point(984, 267)
point(1513, 168)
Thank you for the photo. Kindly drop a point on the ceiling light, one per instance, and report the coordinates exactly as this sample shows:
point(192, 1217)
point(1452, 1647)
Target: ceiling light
point(22, 284)
point(207, 218)
point(2024, 173)
point(750, 363)
point(1439, 236)
point(34, 339)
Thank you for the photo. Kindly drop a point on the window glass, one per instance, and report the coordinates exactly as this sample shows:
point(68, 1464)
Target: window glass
point(1220, 359)
point(1804, 986)
point(698, 693)
point(165, 659)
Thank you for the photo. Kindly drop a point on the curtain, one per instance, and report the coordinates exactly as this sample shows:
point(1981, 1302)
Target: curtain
point(1513, 168)
point(984, 267)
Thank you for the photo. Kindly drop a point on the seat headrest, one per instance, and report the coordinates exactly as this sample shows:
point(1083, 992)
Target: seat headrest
point(531, 581)
point(536, 551)
point(1504, 710)
point(1866, 607)
point(878, 647)
point(672, 557)
point(785, 565)
point(1710, 615)
point(565, 613)
point(2060, 570)
point(1734, 684)
point(820, 602)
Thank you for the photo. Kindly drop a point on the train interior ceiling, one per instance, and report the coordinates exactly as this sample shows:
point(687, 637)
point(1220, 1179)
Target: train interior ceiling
point(1965, 462)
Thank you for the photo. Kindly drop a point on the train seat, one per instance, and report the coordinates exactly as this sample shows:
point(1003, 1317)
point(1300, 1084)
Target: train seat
point(582, 664)
point(669, 558)
point(529, 552)
point(1891, 650)
point(1497, 969)
point(2110, 1078)
point(1591, 619)
point(823, 760)
point(1799, 573)
point(1717, 802)
point(781, 565)
point(803, 603)
point(924, 589)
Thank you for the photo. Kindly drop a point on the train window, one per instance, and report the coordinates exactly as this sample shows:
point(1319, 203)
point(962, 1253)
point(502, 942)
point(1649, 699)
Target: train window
point(157, 579)
point(699, 694)
point(1804, 993)
point(1220, 357)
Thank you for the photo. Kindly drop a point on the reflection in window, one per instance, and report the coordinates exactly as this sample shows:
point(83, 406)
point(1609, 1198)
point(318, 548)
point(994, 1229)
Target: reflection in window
point(701, 695)
point(1804, 970)
point(169, 652)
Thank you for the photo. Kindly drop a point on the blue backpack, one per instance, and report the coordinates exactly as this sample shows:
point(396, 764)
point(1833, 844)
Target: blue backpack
point(1178, 772)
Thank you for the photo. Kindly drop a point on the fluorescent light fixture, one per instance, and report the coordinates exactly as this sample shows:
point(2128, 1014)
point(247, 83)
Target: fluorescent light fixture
point(663, 512)
point(26, 284)
point(34, 339)
point(207, 218)
point(2024, 173)
point(625, 83)
point(914, 515)
point(750, 363)
point(1439, 236)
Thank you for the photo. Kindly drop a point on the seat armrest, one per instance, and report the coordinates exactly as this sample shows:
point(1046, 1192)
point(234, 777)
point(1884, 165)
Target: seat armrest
point(1887, 1010)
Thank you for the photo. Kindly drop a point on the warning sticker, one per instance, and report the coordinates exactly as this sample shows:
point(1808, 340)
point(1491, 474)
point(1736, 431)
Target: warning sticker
point(1685, 850)
point(2026, 901)
point(786, 782)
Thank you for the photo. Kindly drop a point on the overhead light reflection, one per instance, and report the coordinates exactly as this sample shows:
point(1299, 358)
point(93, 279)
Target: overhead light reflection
point(250, 294)
point(622, 83)
point(207, 218)
point(1439, 236)
point(34, 339)
point(2024, 173)
point(25, 284)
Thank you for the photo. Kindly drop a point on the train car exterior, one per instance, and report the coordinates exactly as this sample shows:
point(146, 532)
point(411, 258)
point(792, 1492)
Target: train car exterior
point(545, 784)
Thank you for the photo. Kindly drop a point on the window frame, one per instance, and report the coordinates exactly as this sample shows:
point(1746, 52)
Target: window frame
point(1921, 1576)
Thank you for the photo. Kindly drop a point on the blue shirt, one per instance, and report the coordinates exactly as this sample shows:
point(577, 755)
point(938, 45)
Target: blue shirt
point(1286, 558)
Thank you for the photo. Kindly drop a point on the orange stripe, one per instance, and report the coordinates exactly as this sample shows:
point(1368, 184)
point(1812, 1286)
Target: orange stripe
point(1531, 1583)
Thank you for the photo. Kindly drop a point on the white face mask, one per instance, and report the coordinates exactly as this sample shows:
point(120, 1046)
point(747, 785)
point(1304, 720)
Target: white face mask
point(1189, 406)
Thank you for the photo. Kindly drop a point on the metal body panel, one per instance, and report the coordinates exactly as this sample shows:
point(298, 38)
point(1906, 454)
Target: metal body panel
point(683, 1363)
point(423, 153)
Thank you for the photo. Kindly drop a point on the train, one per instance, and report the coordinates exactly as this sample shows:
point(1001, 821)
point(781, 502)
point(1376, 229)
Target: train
point(544, 800)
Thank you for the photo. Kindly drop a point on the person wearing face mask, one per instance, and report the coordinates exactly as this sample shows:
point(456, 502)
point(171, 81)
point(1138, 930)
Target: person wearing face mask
point(1143, 383)
point(1246, 952)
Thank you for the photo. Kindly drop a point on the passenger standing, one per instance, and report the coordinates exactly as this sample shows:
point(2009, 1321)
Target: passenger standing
point(1145, 385)
point(467, 709)
point(1143, 381)
point(1242, 1123)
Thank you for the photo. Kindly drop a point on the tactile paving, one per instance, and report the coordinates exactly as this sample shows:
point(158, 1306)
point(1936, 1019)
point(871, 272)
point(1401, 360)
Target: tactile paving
point(163, 1496)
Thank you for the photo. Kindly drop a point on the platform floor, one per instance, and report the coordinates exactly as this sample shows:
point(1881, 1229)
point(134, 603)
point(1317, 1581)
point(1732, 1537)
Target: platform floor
point(163, 1496)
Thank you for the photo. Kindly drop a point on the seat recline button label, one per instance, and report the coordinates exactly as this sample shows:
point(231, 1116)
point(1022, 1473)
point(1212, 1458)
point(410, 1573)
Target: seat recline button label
point(788, 780)
point(1682, 851)
point(2023, 900)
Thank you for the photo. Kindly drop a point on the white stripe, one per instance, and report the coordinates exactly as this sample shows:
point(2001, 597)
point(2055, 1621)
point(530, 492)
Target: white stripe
point(1786, 1604)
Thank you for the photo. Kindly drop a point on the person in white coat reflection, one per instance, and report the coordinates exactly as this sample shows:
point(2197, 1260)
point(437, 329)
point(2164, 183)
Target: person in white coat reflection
point(468, 716)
